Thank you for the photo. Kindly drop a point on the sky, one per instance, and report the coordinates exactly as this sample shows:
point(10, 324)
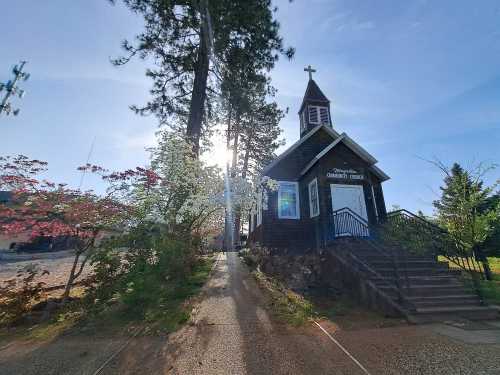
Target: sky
point(408, 80)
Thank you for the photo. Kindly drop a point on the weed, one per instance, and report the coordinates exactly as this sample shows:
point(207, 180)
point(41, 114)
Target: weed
point(286, 305)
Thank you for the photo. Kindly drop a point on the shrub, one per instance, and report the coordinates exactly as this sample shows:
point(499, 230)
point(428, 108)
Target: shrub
point(18, 294)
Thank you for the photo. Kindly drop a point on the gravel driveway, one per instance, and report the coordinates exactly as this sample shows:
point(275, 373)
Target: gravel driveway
point(233, 333)
point(58, 264)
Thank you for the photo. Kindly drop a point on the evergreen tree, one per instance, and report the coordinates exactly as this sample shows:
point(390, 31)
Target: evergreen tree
point(189, 41)
point(459, 209)
point(491, 245)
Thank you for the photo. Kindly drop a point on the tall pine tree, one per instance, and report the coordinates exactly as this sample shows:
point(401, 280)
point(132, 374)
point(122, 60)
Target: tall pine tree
point(188, 42)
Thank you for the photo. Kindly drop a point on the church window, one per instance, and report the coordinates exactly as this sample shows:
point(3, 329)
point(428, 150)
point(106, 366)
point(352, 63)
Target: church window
point(303, 124)
point(259, 209)
point(288, 200)
point(313, 198)
point(318, 115)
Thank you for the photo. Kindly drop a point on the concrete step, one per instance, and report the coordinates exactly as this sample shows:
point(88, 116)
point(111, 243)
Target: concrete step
point(435, 271)
point(439, 314)
point(372, 254)
point(446, 300)
point(446, 280)
point(417, 263)
point(439, 304)
point(429, 290)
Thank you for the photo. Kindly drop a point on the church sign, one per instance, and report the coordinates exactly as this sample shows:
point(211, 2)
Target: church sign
point(345, 174)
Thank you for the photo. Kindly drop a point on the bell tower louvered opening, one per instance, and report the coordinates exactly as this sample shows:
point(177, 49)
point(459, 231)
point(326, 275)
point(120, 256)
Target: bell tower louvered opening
point(315, 109)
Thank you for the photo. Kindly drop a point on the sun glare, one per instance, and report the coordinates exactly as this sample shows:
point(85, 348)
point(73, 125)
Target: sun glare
point(218, 155)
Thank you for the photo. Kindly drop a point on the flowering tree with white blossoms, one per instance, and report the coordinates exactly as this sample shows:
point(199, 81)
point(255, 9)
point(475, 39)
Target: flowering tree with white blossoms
point(190, 196)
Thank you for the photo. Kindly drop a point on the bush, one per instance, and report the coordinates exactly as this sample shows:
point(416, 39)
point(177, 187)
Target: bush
point(249, 258)
point(18, 294)
point(151, 279)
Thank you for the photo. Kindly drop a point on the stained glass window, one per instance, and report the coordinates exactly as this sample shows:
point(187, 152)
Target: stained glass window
point(288, 200)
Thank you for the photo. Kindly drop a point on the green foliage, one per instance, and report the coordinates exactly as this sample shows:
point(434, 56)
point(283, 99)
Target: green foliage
point(18, 294)
point(409, 236)
point(491, 288)
point(150, 280)
point(491, 245)
point(185, 38)
point(249, 259)
point(285, 304)
point(461, 208)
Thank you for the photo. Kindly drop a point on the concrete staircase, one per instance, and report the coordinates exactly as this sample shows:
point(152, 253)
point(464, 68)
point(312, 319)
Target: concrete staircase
point(427, 290)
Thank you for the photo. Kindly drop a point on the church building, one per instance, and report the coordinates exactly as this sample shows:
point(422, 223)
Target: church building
point(322, 177)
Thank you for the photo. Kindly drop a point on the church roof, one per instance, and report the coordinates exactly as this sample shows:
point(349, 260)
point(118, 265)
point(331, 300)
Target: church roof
point(336, 139)
point(314, 94)
point(293, 147)
point(356, 148)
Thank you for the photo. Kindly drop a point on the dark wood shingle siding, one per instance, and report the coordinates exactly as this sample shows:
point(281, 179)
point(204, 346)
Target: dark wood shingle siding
point(311, 233)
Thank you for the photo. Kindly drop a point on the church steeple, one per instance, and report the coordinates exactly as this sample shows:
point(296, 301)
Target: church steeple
point(315, 108)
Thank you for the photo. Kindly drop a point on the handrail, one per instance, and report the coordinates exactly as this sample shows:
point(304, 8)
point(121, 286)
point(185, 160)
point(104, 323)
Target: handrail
point(378, 276)
point(345, 220)
point(363, 220)
point(362, 229)
point(428, 237)
point(412, 215)
point(442, 244)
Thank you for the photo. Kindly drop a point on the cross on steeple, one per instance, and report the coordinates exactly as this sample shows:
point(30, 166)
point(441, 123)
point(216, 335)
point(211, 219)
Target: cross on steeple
point(310, 70)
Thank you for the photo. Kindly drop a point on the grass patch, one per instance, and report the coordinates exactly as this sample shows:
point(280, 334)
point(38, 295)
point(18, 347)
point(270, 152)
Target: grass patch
point(490, 289)
point(168, 307)
point(495, 266)
point(164, 305)
point(286, 305)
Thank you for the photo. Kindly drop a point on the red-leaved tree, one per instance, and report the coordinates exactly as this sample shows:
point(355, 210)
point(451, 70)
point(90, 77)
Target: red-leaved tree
point(43, 209)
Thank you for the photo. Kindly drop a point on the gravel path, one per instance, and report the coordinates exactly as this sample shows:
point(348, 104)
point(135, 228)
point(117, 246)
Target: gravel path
point(232, 333)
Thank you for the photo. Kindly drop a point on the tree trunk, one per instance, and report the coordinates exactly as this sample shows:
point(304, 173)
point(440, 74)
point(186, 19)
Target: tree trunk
point(244, 171)
point(71, 278)
point(198, 97)
point(227, 227)
point(237, 210)
point(246, 159)
point(487, 270)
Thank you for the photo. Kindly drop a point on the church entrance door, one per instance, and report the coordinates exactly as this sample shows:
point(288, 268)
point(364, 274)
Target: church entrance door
point(350, 196)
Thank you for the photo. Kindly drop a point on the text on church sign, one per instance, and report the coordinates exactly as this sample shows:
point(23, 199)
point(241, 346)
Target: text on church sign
point(346, 174)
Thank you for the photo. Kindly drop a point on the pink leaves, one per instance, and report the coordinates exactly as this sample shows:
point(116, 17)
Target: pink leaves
point(92, 168)
point(44, 208)
point(138, 175)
